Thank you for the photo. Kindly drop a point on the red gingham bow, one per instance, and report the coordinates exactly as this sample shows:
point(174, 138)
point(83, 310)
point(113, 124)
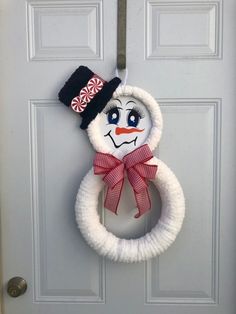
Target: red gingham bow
point(138, 174)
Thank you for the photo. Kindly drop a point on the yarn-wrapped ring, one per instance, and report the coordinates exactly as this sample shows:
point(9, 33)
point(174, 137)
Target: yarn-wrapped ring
point(134, 250)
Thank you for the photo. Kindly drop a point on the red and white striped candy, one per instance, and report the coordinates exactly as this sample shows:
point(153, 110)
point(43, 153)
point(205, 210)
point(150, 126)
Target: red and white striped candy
point(86, 95)
point(77, 105)
point(95, 85)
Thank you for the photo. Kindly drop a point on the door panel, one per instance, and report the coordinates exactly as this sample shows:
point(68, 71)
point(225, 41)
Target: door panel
point(183, 53)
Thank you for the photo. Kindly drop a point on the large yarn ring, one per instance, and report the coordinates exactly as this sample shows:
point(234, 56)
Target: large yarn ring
point(152, 243)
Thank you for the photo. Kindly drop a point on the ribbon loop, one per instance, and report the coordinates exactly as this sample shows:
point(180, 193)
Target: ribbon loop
point(105, 161)
point(138, 174)
point(146, 171)
point(139, 155)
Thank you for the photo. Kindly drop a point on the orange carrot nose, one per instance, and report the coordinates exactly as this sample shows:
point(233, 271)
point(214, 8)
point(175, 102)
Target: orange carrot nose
point(127, 131)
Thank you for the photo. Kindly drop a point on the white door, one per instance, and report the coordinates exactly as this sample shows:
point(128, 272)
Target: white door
point(184, 54)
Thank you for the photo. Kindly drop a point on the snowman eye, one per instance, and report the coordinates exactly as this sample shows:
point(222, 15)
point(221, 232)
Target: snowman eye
point(113, 115)
point(133, 118)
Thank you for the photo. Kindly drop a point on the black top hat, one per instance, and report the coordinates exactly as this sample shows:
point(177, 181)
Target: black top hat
point(87, 93)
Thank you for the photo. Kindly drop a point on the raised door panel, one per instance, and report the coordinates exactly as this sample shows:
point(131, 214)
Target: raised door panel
point(65, 30)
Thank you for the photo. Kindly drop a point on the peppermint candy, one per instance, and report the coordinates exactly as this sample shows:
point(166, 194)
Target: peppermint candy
point(77, 105)
point(86, 94)
point(94, 85)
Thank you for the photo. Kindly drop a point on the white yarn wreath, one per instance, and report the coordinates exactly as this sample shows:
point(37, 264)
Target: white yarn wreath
point(169, 224)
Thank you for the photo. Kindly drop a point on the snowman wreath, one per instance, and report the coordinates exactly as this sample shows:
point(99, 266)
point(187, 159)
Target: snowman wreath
point(124, 125)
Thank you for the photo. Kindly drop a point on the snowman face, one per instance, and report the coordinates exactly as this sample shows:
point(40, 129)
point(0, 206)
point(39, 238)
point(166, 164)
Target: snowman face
point(125, 124)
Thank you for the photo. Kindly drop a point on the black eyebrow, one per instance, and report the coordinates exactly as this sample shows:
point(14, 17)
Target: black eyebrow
point(130, 101)
point(118, 100)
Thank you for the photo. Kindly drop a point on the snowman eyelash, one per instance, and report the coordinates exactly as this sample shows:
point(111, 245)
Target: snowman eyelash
point(138, 110)
point(110, 107)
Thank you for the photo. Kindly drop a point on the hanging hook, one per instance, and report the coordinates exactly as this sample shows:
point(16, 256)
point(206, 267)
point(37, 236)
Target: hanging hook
point(121, 35)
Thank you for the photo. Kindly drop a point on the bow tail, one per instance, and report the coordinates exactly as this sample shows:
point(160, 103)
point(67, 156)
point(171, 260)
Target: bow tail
point(143, 202)
point(113, 197)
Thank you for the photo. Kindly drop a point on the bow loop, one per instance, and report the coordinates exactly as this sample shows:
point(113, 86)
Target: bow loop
point(146, 171)
point(138, 173)
point(139, 155)
point(104, 162)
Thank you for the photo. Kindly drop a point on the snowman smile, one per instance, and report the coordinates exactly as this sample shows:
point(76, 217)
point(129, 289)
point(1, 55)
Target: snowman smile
point(126, 142)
